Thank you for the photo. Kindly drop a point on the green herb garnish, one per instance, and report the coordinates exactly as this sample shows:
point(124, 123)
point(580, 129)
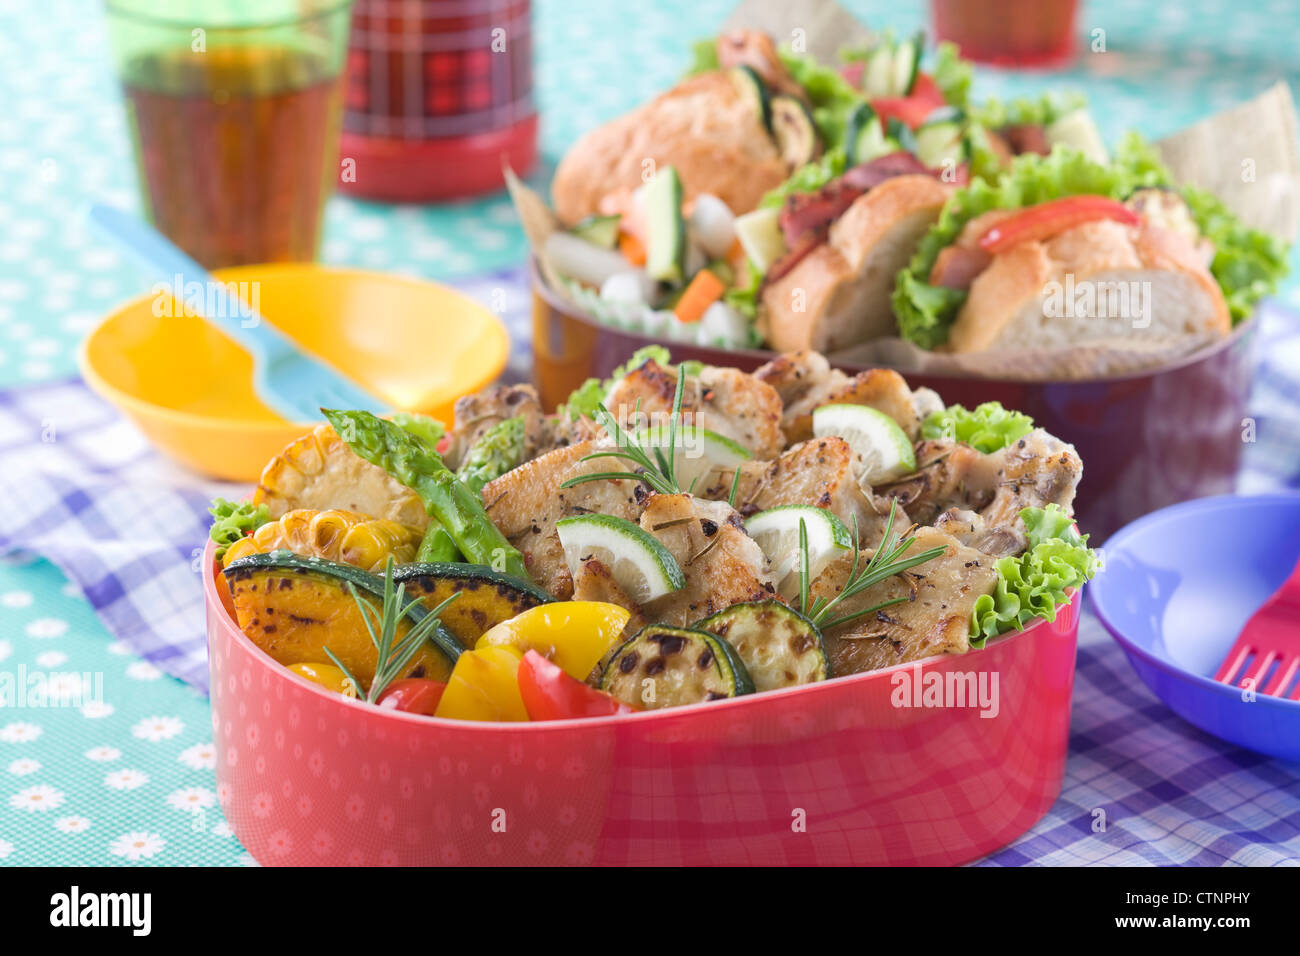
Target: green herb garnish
point(887, 561)
point(393, 655)
point(655, 465)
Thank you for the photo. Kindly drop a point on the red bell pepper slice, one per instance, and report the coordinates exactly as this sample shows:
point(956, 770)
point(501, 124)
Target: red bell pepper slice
point(413, 695)
point(1052, 218)
point(908, 109)
point(551, 694)
point(913, 109)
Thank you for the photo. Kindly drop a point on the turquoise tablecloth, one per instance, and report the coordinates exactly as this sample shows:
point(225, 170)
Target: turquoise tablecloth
point(132, 781)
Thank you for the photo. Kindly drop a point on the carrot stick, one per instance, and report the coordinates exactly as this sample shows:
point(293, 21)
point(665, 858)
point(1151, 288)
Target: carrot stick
point(632, 248)
point(704, 290)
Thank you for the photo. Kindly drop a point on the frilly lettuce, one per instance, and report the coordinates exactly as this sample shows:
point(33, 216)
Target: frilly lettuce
point(988, 428)
point(1042, 110)
point(233, 520)
point(1248, 263)
point(1034, 584)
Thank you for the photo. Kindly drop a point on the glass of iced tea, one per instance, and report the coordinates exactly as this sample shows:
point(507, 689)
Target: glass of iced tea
point(233, 107)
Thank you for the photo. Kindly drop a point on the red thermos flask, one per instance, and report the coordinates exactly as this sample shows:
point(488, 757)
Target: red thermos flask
point(439, 97)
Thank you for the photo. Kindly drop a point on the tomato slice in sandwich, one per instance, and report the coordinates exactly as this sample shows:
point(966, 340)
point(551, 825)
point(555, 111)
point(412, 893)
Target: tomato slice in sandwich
point(1052, 218)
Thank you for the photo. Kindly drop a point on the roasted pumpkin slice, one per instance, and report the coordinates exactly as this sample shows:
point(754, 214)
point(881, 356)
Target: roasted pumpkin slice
point(293, 607)
point(486, 599)
point(780, 647)
point(364, 542)
point(320, 471)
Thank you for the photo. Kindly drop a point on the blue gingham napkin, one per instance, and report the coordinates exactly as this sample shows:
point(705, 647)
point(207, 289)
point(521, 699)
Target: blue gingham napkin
point(83, 488)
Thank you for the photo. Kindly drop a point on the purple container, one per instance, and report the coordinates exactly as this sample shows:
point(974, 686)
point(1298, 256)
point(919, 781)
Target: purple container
point(1147, 440)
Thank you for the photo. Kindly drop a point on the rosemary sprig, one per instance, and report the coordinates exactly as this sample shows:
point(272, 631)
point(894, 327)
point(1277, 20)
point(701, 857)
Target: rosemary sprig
point(735, 488)
point(393, 655)
point(887, 561)
point(655, 466)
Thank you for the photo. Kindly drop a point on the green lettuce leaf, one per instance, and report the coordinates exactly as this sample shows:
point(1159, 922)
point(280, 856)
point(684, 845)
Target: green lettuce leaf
point(1034, 584)
point(1043, 110)
point(952, 75)
point(807, 178)
point(233, 520)
point(1248, 263)
point(988, 428)
point(832, 97)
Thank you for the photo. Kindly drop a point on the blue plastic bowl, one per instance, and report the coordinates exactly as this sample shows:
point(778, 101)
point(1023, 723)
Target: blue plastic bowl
point(1180, 584)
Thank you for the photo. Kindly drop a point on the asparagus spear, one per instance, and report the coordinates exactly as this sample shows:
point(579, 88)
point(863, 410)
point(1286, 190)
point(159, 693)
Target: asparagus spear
point(437, 544)
point(496, 451)
point(457, 507)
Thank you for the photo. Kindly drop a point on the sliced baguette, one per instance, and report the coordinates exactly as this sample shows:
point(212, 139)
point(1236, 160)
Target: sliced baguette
point(1010, 301)
point(838, 295)
point(703, 127)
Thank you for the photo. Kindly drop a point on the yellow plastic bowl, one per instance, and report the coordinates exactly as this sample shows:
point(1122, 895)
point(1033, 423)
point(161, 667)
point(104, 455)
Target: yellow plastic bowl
point(189, 387)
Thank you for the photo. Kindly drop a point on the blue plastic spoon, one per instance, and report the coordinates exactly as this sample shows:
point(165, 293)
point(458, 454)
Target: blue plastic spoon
point(286, 379)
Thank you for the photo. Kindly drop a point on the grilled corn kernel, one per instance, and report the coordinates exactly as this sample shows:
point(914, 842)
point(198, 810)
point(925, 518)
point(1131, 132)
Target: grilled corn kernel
point(346, 536)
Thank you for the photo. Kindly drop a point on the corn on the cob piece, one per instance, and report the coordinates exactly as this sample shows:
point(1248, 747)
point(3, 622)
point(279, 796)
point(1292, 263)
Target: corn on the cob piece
point(319, 471)
point(345, 536)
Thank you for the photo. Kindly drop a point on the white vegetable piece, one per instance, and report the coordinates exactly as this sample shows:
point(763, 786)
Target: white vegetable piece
point(713, 225)
point(721, 321)
point(633, 287)
point(760, 235)
point(582, 260)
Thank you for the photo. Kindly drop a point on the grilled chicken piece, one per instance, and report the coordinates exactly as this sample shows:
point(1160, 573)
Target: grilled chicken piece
point(724, 400)
point(1035, 471)
point(948, 475)
point(804, 380)
point(973, 531)
point(819, 472)
point(476, 413)
point(526, 503)
point(935, 620)
point(595, 582)
point(723, 564)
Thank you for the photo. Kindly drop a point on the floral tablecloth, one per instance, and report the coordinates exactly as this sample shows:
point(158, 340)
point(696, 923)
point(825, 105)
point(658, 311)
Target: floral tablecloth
point(130, 780)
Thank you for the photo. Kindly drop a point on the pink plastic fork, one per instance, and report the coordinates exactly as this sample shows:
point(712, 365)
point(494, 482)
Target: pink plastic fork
point(1273, 635)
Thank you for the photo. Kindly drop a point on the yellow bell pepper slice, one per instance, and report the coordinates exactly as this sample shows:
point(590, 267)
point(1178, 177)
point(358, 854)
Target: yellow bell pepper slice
point(574, 635)
point(484, 685)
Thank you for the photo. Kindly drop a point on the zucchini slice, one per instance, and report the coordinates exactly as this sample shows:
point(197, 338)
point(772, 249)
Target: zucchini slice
point(293, 607)
point(905, 65)
point(865, 138)
point(901, 134)
point(486, 599)
point(780, 647)
point(794, 132)
point(666, 252)
point(599, 230)
point(878, 74)
point(671, 666)
point(752, 88)
point(942, 138)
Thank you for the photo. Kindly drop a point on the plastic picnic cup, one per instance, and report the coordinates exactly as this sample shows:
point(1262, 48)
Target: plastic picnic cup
point(233, 108)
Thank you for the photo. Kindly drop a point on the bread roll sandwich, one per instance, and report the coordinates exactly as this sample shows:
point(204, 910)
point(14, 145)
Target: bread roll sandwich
point(1065, 252)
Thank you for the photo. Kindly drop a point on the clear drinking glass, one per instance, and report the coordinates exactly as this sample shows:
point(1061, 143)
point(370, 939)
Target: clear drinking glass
point(234, 108)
